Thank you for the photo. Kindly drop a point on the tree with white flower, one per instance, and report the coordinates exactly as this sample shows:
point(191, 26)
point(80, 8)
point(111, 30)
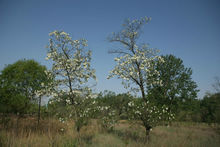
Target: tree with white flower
point(107, 116)
point(134, 64)
point(72, 70)
point(149, 114)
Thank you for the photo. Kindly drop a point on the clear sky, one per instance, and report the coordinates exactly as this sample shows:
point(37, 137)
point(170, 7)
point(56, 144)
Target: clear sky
point(188, 29)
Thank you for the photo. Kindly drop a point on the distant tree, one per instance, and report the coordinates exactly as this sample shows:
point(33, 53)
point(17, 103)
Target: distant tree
point(117, 102)
point(176, 86)
point(210, 105)
point(189, 111)
point(120, 103)
point(210, 108)
point(216, 85)
point(107, 94)
point(106, 97)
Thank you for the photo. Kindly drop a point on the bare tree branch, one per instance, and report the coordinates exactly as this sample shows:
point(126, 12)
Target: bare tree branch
point(118, 52)
point(216, 86)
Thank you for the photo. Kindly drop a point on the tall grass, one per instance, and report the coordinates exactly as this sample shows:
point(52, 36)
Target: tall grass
point(52, 133)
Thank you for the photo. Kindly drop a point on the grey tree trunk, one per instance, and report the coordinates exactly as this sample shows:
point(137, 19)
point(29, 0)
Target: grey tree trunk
point(39, 107)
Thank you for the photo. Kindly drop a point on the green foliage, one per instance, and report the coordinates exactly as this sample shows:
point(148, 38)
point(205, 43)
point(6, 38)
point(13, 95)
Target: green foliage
point(19, 83)
point(210, 108)
point(12, 101)
point(117, 102)
point(176, 87)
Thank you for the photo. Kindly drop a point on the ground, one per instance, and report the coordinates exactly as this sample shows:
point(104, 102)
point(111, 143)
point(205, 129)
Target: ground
point(53, 133)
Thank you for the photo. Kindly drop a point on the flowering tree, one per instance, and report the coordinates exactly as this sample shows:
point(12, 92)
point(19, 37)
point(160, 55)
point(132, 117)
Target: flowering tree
point(72, 70)
point(135, 62)
point(134, 65)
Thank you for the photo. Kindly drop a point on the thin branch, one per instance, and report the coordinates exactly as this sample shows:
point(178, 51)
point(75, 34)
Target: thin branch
point(118, 52)
point(121, 41)
point(137, 82)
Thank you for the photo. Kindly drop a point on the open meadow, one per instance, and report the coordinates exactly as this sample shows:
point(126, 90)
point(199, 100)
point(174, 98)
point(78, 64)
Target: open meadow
point(52, 133)
point(109, 73)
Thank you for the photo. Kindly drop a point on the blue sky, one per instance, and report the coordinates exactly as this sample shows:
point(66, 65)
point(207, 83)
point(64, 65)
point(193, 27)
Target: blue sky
point(188, 29)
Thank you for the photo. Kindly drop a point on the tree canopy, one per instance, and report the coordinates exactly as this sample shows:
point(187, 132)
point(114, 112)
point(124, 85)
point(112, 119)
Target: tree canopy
point(19, 85)
point(176, 84)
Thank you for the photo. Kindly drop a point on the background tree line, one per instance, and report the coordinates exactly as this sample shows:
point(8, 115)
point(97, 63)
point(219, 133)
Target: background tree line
point(20, 80)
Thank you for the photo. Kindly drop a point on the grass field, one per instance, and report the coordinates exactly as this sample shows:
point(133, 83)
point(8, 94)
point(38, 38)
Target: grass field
point(52, 133)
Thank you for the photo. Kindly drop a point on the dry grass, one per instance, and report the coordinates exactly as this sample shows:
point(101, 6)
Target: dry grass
point(49, 134)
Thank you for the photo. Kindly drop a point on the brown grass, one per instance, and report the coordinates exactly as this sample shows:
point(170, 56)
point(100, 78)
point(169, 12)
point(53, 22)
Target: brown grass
point(49, 133)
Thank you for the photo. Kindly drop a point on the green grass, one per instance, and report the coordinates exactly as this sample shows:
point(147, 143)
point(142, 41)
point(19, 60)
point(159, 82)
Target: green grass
point(124, 135)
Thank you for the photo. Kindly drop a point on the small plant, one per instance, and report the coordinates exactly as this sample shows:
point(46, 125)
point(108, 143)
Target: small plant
point(149, 114)
point(108, 117)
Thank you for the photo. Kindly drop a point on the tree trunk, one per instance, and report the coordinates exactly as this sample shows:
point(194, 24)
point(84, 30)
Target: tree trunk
point(78, 129)
point(147, 133)
point(143, 93)
point(39, 107)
